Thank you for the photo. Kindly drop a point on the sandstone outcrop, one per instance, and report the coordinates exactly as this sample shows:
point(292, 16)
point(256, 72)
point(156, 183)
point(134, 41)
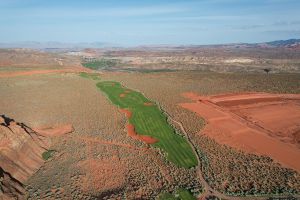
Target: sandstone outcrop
point(20, 155)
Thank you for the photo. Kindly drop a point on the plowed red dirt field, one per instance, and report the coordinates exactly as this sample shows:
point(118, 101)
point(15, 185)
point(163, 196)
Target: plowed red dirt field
point(260, 123)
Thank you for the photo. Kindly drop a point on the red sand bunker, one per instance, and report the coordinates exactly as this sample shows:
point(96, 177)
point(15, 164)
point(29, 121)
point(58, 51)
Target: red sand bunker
point(134, 135)
point(131, 132)
point(261, 123)
point(127, 112)
point(148, 104)
point(122, 95)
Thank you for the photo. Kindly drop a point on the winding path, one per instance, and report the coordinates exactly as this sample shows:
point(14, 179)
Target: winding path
point(208, 190)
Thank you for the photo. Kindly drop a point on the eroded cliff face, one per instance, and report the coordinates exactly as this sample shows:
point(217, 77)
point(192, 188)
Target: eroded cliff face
point(21, 151)
point(10, 188)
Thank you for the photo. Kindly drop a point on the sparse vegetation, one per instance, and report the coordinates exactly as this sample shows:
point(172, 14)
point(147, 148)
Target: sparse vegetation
point(147, 170)
point(259, 173)
point(267, 70)
point(143, 171)
point(240, 174)
point(93, 76)
point(180, 194)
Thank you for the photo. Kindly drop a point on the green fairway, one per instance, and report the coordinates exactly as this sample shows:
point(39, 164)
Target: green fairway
point(93, 76)
point(167, 196)
point(149, 120)
point(101, 64)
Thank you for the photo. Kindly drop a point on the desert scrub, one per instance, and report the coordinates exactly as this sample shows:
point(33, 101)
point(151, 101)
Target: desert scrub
point(149, 120)
point(236, 173)
point(181, 194)
point(48, 154)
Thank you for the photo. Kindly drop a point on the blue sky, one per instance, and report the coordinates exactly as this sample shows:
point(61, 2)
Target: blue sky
point(137, 22)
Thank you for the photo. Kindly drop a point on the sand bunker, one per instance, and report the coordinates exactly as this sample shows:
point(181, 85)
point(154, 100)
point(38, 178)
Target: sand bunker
point(127, 112)
point(131, 132)
point(261, 123)
point(148, 104)
point(122, 95)
point(147, 139)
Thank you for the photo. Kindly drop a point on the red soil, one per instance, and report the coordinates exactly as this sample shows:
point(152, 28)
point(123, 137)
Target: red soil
point(144, 138)
point(20, 149)
point(282, 119)
point(4, 142)
point(55, 131)
point(261, 123)
point(122, 95)
point(96, 141)
point(148, 104)
point(33, 72)
point(191, 95)
point(131, 132)
point(128, 113)
point(102, 175)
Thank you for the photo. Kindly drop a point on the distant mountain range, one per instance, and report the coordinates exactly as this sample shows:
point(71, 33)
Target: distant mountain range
point(55, 45)
point(290, 43)
point(284, 43)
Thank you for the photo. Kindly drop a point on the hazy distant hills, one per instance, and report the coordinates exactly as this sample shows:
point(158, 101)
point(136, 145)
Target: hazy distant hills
point(284, 43)
point(58, 45)
point(290, 43)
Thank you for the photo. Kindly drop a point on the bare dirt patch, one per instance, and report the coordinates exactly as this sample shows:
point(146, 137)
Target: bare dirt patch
point(34, 72)
point(260, 123)
point(55, 131)
point(102, 175)
point(148, 104)
point(128, 113)
point(122, 95)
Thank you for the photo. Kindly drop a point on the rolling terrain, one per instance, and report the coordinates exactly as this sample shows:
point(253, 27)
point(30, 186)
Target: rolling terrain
point(197, 122)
